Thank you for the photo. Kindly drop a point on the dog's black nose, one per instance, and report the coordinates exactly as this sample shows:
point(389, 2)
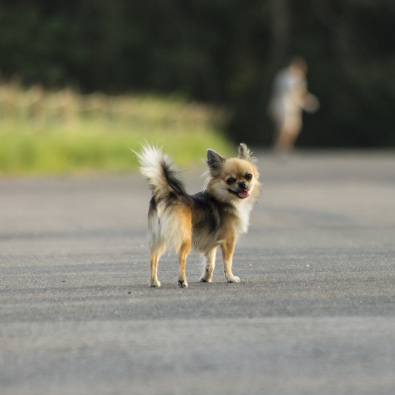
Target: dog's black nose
point(242, 185)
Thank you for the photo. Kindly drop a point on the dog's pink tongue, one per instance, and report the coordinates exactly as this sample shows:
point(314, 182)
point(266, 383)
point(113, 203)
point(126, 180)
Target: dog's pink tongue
point(243, 194)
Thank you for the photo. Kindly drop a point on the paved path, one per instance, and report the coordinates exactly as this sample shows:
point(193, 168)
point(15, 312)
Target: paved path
point(314, 313)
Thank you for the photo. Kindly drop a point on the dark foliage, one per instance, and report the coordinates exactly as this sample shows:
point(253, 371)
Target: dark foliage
point(220, 51)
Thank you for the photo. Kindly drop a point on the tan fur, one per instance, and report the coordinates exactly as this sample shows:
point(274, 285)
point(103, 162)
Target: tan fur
point(204, 221)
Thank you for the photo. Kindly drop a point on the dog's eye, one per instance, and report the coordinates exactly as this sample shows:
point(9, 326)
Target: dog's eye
point(230, 181)
point(248, 176)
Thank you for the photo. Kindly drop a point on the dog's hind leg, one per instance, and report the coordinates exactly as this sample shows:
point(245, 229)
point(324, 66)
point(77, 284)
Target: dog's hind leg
point(183, 254)
point(210, 265)
point(182, 236)
point(156, 253)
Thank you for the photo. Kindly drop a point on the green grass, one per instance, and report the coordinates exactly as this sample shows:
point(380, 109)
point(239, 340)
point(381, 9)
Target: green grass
point(93, 144)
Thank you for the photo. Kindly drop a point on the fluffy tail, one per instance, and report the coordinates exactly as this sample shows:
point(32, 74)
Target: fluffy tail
point(162, 175)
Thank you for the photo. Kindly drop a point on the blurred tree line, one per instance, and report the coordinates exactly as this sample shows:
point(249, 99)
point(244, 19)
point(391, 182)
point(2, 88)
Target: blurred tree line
point(223, 52)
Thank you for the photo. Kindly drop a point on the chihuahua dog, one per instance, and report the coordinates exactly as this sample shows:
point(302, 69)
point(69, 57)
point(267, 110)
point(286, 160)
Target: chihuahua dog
point(205, 221)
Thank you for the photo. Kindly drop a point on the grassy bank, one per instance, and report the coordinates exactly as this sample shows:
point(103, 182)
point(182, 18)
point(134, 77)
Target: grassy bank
point(100, 139)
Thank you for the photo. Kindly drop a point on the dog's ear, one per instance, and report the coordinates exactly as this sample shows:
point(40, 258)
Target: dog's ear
point(245, 152)
point(215, 161)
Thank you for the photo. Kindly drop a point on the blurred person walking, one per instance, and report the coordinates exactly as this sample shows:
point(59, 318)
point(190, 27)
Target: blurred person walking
point(289, 98)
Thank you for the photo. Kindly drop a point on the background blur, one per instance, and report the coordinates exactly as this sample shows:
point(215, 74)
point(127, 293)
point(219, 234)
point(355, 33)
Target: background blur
point(223, 54)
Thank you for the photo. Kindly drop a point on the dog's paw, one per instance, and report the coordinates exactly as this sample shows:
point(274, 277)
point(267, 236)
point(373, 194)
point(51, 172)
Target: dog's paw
point(205, 280)
point(155, 283)
point(232, 279)
point(182, 284)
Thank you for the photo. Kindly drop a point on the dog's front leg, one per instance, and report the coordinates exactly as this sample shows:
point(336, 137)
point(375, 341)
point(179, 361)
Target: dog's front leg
point(210, 265)
point(228, 247)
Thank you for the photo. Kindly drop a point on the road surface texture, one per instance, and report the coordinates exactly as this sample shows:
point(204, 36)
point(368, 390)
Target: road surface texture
point(314, 313)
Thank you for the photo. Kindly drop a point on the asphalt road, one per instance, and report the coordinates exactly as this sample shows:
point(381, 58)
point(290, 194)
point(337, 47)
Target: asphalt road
point(314, 312)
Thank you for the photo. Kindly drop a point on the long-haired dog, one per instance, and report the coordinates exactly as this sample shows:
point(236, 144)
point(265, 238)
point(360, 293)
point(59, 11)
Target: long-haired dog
point(205, 221)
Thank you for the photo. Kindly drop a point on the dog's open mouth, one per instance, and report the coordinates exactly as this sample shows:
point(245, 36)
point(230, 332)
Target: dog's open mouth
point(240, 194)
